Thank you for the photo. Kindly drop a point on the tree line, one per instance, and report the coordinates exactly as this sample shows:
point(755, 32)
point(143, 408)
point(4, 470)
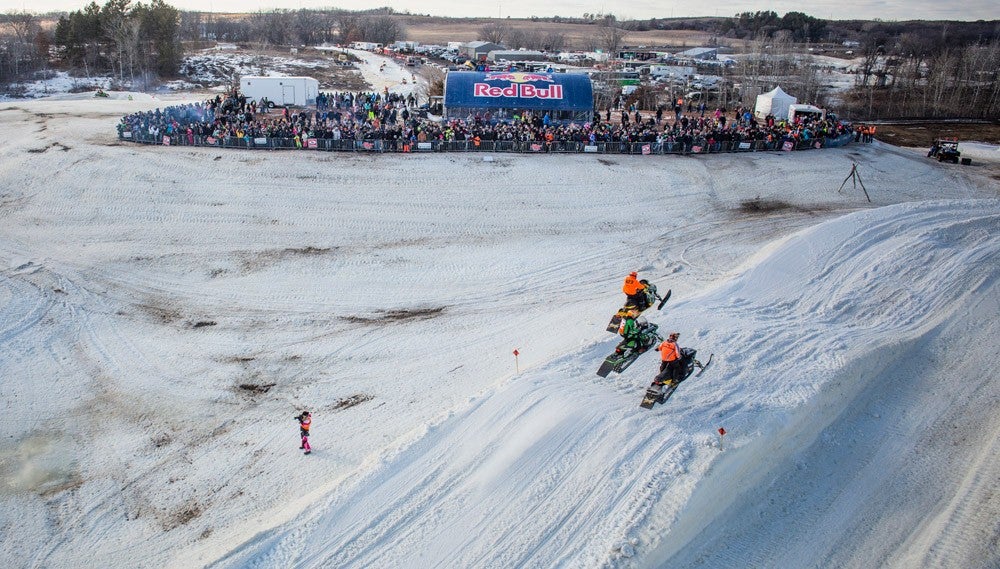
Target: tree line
point(917, 69)
point(916, 75)
point(303, 27)
point(138, 43)
point(132, 41)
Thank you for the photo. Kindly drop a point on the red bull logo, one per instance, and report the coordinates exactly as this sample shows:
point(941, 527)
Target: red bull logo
point(516, 90)
point(519, 86)
point(515, 77)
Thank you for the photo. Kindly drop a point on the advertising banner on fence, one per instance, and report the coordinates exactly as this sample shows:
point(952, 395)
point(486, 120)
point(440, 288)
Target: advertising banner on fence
point(166, 140)
point(260, 141)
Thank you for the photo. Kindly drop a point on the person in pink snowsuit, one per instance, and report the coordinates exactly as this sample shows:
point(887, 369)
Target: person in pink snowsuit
point(305, 421)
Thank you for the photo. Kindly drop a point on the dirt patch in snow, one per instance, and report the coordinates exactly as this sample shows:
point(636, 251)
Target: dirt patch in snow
point(921, 134)
point(762, 207)
point(382, 317)
point(256, 388)
point(348, 402)
point(182, 516)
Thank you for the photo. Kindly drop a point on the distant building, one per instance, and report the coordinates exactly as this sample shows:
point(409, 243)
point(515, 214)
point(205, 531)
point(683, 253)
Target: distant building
point(477, 50)
point(706, 53)
point(515, 55)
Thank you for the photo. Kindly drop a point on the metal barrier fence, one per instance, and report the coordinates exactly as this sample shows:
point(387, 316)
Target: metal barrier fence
point(698, 146)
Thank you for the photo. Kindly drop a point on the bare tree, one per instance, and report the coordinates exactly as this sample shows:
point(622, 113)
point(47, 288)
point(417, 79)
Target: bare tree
point(192, 26)
point(610, 36)
point(272, 28)
point(348, 27)
point(309, 27)
point(554, 41)
point(532, 39)
point(516, 38)
point(383, 29)
point(433, 87)
point(116, 22)
point(20, 50)
point(495, 32)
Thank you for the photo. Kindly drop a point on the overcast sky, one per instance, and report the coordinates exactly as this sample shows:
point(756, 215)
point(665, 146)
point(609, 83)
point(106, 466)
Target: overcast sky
point(633, 9)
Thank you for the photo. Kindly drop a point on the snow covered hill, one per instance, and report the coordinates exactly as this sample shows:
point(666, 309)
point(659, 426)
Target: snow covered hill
point(166, 311)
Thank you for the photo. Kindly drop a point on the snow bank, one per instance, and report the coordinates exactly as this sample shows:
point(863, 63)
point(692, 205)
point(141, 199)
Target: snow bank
point(165, 312)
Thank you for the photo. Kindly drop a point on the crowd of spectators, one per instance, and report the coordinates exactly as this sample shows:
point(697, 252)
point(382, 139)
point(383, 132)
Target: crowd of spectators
point(393, 121)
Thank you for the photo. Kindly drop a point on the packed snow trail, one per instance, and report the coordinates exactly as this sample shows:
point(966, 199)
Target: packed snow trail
point(557, 468)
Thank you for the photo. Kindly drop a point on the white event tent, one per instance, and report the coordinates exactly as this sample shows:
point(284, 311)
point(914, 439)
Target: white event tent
point(774, 102)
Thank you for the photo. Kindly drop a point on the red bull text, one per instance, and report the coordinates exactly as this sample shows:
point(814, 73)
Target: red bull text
point(518, 90)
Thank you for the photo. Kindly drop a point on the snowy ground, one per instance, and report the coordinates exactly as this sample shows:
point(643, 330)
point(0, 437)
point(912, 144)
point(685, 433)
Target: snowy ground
point(164, 312)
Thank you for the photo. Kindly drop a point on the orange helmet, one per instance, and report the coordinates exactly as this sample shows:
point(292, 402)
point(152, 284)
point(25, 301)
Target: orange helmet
point(633, 274)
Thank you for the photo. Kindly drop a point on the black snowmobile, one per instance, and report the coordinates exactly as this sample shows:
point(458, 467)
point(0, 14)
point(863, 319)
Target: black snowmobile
point(650, 297)
point(629, 349)
point(661, 389)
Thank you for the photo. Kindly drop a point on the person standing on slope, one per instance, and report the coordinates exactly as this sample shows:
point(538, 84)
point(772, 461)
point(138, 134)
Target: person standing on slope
point(635, 292)
point(305, 421)
point(670, 360)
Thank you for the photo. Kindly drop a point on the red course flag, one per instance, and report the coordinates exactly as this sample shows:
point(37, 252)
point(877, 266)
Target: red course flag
point(722, 431)
point(516, 353)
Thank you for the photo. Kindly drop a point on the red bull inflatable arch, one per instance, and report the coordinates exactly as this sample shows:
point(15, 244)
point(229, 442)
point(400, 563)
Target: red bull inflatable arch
point(502, 95)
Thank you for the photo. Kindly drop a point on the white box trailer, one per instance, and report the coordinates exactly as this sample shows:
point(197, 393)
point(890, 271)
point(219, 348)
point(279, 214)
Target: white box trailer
point(298, 91)
point(675, 71)
point(803, 111)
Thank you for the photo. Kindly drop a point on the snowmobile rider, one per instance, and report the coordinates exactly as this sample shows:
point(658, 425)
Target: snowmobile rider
point(634, 291)
point(670, 360)
point(630, 330)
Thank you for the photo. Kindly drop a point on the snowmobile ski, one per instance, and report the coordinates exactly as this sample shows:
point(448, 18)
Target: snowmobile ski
point(703, 366)
point(664, 300)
